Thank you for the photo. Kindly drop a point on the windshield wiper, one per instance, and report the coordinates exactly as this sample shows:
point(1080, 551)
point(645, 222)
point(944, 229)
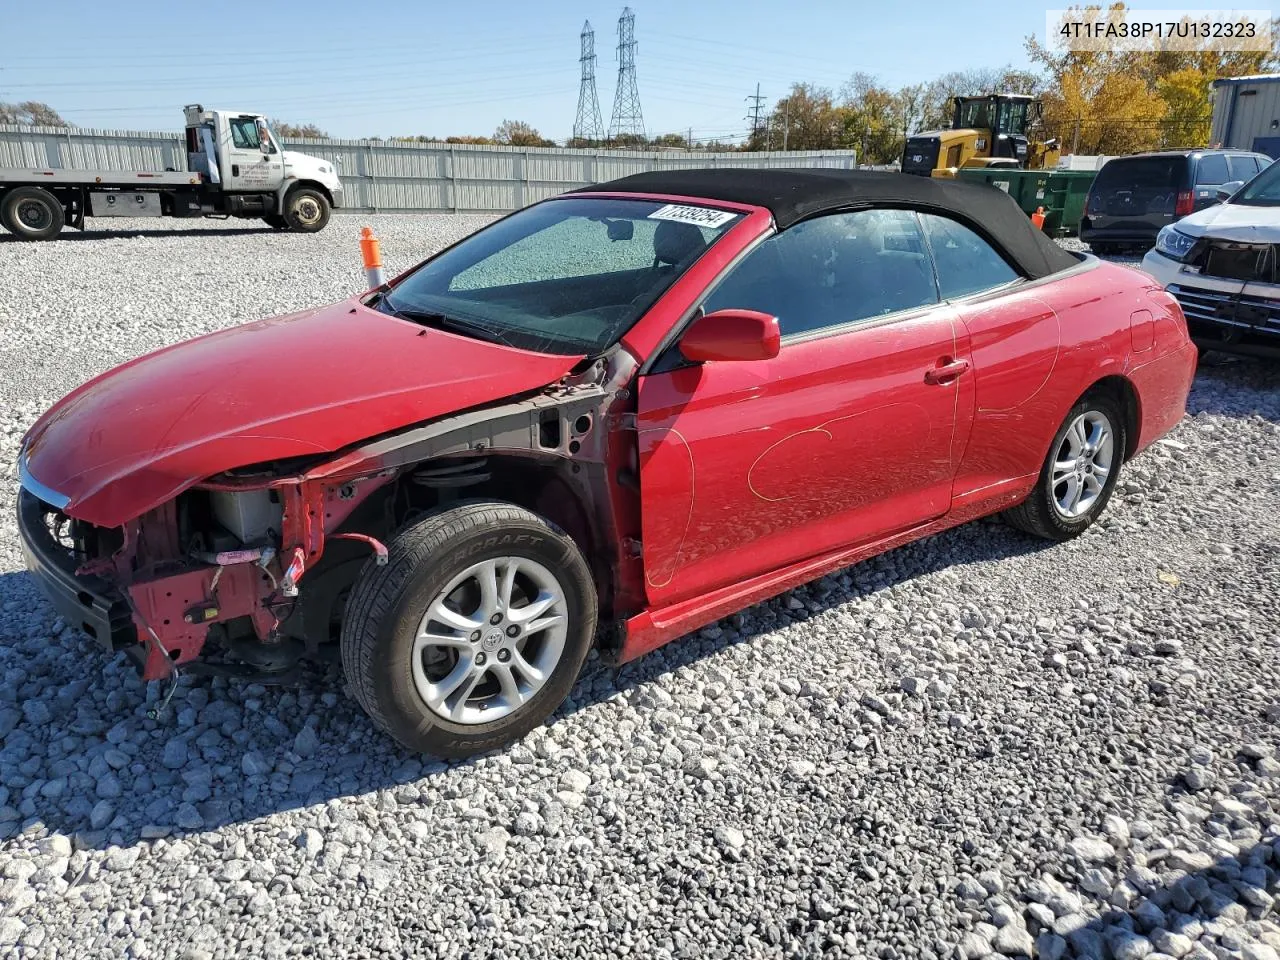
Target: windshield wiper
point(443, 321)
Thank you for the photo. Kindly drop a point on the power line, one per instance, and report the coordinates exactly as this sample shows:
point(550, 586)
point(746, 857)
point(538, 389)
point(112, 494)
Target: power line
point(588, 124)
point(627, 118)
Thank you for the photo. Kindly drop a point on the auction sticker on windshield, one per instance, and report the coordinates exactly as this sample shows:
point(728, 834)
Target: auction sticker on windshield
point(698, 216)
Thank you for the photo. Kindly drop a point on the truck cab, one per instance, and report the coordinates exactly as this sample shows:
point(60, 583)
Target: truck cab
point(240, 152)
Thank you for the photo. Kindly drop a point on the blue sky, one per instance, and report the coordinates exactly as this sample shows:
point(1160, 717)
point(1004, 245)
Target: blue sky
point(406, 68)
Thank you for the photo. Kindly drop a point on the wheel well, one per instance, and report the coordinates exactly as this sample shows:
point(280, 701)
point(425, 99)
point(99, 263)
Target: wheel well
point(1121, 390)
point(549, 487)
point(310, 185)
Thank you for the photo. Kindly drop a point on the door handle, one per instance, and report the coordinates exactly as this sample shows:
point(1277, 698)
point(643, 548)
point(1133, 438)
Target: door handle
point(235, 169)
point(946, 371)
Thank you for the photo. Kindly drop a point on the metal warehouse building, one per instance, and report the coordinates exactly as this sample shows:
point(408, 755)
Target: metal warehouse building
point(1246, 114)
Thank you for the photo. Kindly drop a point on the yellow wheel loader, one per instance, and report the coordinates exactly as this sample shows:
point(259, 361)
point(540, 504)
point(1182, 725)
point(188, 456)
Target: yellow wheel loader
point(986, 131)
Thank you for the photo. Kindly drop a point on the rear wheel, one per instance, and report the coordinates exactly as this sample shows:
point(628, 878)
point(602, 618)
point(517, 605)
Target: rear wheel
point(306, 210)
point(473, 632)
point(32, 213)
point(1079, 473)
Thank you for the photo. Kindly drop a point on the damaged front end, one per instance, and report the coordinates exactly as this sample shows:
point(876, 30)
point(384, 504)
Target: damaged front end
point(221, 561)
point(248, 571)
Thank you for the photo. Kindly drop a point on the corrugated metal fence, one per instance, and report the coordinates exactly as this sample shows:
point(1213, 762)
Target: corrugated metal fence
point(389, 176)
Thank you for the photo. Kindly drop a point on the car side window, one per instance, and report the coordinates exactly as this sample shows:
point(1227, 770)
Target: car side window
point(244, 133)
point(833, 270)
point(1212, 169)
point(965, 262)
point(1242, 167)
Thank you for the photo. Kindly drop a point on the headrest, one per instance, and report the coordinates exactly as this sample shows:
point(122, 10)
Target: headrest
point(676, 243)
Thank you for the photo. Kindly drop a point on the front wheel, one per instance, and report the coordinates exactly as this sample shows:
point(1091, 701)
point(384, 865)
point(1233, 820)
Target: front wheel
point(275, 221)
point(1079, 473)
point(306, 210)
point(473, 632)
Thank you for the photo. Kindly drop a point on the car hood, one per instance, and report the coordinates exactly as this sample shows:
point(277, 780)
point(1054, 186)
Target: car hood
point(309, 383)
point(1243, 223)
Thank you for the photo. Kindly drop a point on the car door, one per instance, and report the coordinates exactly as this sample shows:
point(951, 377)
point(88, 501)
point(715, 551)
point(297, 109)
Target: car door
point(846, 437)
point(256, 164)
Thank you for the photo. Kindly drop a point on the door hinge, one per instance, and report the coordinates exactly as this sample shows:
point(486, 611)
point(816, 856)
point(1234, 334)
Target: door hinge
point(622, 421)
point(632, 547)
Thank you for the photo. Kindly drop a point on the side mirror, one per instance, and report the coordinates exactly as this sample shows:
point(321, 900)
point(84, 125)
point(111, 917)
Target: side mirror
point(1228, 189)
point(732, 335)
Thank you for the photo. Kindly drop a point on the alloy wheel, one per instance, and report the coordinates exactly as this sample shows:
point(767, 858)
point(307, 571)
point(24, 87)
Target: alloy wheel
point(1082, 464)
point(490, 640)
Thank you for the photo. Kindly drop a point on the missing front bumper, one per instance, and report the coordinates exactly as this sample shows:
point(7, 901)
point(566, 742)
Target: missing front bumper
point(88, 603)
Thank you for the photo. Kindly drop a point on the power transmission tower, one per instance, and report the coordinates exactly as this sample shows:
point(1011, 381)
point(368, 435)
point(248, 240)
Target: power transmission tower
point(627, 118)
point(588, 125)
point(753, 113)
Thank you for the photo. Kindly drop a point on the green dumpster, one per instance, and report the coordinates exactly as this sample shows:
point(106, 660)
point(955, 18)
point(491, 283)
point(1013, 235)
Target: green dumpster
point(1061, 192)
point(1069, 190)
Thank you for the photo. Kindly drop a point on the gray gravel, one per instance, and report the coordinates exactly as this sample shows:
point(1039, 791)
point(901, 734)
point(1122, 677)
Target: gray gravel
point(976, 745)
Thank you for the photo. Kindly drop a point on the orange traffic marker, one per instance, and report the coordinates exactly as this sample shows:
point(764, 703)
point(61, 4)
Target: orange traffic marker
point(1037, 218)
point(371, 253)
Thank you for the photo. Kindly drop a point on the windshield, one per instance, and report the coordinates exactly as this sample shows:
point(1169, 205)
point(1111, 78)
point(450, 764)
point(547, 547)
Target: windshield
point(568, 276)
point(1263, 190)
point(974, 113)
point(1013, 117)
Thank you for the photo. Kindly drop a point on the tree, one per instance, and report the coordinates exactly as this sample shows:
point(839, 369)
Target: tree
point(805, 119)
point(629, 141)
point(31, 113)
point(307, 131)
point(669, 141)
point(479, 141)
point(517, 133)
point(870, 119)
point(1187, 114)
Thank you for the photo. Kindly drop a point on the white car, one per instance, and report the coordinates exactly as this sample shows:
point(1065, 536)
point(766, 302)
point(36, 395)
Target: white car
point(1221, 265)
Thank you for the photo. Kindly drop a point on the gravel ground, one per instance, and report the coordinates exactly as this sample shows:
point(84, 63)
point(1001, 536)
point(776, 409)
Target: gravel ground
point(974, 745)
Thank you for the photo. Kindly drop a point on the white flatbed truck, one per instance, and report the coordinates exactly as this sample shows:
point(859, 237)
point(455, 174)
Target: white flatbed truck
point(236, 167)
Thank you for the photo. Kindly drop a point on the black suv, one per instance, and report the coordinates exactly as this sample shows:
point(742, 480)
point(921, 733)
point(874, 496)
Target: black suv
point(1133, 197)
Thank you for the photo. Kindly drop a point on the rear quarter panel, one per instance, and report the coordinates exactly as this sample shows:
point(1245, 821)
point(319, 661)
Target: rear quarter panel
point(1026, 382)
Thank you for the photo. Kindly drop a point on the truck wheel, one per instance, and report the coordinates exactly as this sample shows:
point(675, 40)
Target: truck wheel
point(473, 632)
point(32, 213)
point(275, 221)
point(306, 210)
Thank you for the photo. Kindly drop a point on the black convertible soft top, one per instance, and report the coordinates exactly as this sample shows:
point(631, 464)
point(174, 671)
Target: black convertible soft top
point(794, 195)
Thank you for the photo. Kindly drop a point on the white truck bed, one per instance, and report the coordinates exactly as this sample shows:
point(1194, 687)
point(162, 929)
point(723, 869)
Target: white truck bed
point(98, 178)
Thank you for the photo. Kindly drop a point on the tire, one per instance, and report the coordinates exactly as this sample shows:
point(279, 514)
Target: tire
point(1043, 513)
point(276, 221)
point(306, 210)
point(32, 213)
point(429, 565)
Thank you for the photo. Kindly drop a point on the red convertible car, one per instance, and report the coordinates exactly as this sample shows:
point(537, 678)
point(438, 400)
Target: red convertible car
point(609, 418)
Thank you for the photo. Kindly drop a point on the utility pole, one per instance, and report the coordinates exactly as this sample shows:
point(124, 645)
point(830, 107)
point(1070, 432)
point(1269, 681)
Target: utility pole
point(786, 123)
point(689, 140)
